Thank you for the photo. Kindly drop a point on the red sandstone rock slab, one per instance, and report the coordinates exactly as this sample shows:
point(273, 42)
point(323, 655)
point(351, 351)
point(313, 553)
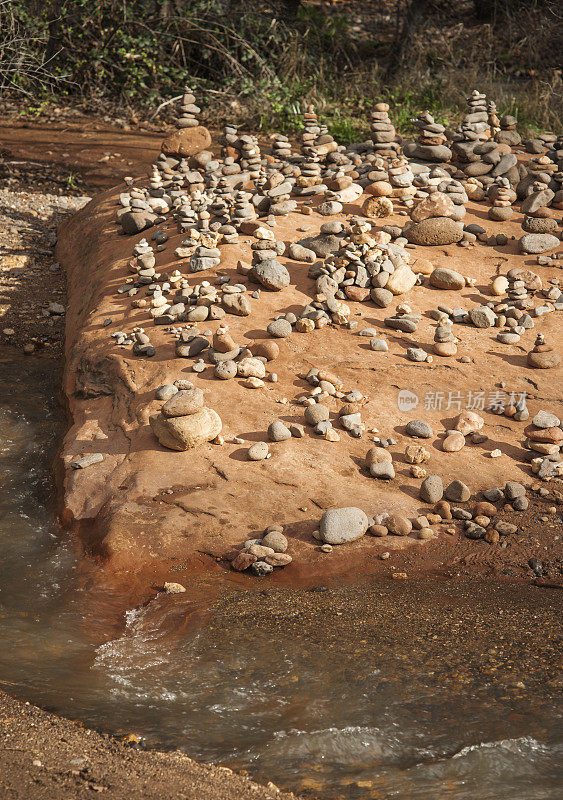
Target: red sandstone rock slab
point(151, 505)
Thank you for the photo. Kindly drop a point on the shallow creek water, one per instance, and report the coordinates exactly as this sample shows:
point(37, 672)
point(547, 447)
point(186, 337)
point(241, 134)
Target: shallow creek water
point(440, 691)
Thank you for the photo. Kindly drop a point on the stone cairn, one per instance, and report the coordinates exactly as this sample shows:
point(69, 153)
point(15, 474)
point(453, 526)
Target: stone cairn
point(310, 158)
point(187, 117)
point(475, 122)
point(444, 340)
point(383, 134)
point(492, 119)
point(229, 142)
point(325, 143)
point(545, 441)
point(281, 148)
point(501, 209)
point(541, 192)
point(555, 149)
point(456, 192)
point(401, 179)
point(223, 202)
point(542, 355)
point(477, 156)
point(250, 157)
point(243, 209)
point(438, 180)
point(508, 133)
point(311, 130)
point(431, 142)
point(184, 422)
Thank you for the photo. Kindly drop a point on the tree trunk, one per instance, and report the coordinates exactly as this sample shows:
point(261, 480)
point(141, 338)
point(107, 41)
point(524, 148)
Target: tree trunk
point(416, 12)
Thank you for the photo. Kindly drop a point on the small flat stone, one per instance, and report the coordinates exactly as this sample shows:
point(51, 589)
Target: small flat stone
point(280, 329)
point(166, 391)
point(443, 278)
point(431, 489)
point(398, 525)
point(419, 429)
point(458, 492)
point(278, 432)
point(258, 451)
point(544, 419)
point(534, 243)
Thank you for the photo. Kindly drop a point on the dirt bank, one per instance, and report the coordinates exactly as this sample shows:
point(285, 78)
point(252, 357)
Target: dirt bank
point(44, 757)
point(86, 152)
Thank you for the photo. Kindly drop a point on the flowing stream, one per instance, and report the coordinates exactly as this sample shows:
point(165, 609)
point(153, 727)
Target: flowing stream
point(440, 691)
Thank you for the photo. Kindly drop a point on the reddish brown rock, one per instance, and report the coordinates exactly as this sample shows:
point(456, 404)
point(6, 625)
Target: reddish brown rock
point(357, 293)
point(484, 508)
point(278, 560)
point(399, 525)
point(268, 349)
point(378, 530)
point(243, 561)
point(442, 508)
point(186, 142)
point(549, 435)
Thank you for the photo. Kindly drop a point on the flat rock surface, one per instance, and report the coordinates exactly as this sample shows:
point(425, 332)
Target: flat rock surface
point(152, 505)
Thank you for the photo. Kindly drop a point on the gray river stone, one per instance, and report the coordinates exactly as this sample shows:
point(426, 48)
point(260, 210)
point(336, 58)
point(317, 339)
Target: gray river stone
point(341, 525)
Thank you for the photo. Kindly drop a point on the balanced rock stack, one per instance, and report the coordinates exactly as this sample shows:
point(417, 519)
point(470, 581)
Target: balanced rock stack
point(229, 142)
point(383, 134)
point(184, 422)
point(136, 214)
point(265, 248)
point(190, 137)
point(159, 201)
point(243, 209)
point(545, 438)
point(542, 183)
point(475, 123)
point(222, 202)
point(310, 174)
point(331, 204)
point(457, 194)
point(444, 340)
point(438, 180)
point(501, 209)
point(281, 147)
point(374, 177)
point(433, 223)
point(542, 355)
point(250, 158)
point(508, 133)
point(184, 214)
point(555, 150)
point(431, 143)
point(492, 118)
point(311, 131)
point(538, 216)
point(325, 143)
point(517, 291)
point(401, 179)
point(188, 111)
